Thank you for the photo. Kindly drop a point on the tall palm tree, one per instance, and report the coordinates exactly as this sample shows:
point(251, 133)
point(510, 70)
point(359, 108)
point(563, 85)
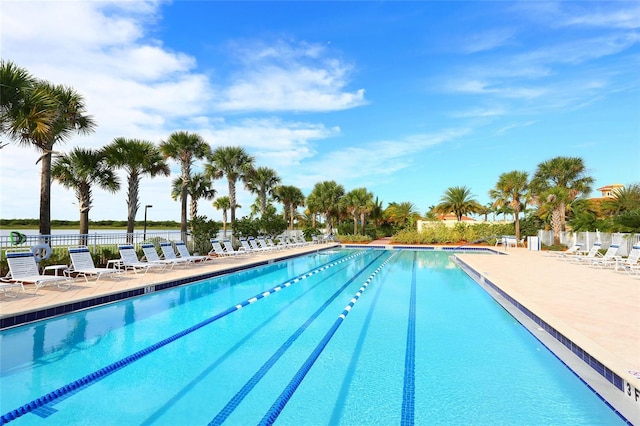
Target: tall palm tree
point(326, 198)
point(459, 201)
point(291, 198)
point(40, 114)
point(234, 163)
point(24, 105)
point(357, 202)
point(223, 203)
point(566, 173)
point(199, 187)
point(185, 148)
point(510, 190)
point(81, 170)
point(138, 158)
point(376, 214)
point(262, 181)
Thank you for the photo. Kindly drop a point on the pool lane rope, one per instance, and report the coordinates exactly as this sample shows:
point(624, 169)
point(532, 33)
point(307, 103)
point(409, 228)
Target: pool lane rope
point(111, 368)
point(282, 400)
point(408, 390)
point(264, 369)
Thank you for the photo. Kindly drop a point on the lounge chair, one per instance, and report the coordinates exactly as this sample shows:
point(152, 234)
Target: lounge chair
point(571, 251)
point(228, 247)
point(591, 254)
point(246, 246)
point(151, 256)
point(183, 252)
point(262, 244)
point(631, 263)
point(608, 259)
point(23, 269)
point(218, 250)
point(129, 260)
point(82, 264)
point(273, 245)
point(253, 242)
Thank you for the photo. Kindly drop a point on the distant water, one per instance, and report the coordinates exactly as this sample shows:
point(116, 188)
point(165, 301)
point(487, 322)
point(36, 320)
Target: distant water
point(6, 232)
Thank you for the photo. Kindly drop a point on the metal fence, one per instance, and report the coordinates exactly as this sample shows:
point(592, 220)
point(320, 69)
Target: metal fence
point(587, 239)
point(93, 241)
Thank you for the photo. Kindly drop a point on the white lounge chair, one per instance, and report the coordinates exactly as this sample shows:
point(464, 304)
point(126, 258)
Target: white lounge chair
point(608, 259)
point(183, 252)
point(82, 264)
point(129, 260)
point(253, 242)
point(23, 269)
point(591, 254)
point(631, 263)
point(151, 256)
point(228, 247)
point(571, 251)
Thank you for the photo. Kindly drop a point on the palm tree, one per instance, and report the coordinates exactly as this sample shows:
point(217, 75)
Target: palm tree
point(459, 201)
point(326, 199)
point(623, 200)
point(199, 187)
point(24, 105)
point(551, 202)
point(223, 203)
point(185, 148)
point(38, 113)
point(510, 191)
point(566, 173)
point(138, 158)
point(291, 198)
point(262, 181)
point(402, 214)
point(80, 170)
point(357, 202)
point(234, 163)
point(376, 214)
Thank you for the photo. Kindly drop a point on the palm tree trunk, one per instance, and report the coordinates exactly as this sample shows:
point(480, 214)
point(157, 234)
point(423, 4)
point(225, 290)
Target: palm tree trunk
point(362, 219)
point(45, 194)
point(224, 223)
point(556, 224)
point(232, 200)
point(183, 206)
point(355, 223)
point(516, 215)
point(132, 205)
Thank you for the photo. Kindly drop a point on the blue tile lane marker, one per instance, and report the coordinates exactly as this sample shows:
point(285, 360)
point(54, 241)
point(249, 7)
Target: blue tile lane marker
point(408, 393)
point(262, 371)
point(282, 400)
point(111, 368)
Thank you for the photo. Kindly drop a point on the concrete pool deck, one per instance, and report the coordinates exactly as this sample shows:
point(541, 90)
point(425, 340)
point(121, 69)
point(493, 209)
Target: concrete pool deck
point(597, 309)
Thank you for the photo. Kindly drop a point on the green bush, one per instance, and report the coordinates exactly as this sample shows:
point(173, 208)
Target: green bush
point(365, 239)
point(459, 233)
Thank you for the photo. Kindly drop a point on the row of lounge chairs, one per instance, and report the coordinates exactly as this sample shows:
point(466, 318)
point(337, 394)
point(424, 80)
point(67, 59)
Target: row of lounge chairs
point(23, 268)
point(610, 259)
point(249, 245)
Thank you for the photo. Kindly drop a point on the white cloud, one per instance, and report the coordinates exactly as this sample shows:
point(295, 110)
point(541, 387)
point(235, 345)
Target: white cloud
point(135, 87)
point(489, 40)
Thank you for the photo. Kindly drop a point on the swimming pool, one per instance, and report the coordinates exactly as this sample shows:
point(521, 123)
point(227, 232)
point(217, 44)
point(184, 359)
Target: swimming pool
point(297, 342)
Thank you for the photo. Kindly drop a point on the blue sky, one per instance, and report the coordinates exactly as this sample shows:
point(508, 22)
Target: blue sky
point(403, 98)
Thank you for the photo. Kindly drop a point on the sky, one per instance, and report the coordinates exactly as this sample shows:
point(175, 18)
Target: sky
point(405, 99)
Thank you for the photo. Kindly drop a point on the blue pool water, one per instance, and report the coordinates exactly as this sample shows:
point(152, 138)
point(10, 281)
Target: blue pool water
point(423, 344)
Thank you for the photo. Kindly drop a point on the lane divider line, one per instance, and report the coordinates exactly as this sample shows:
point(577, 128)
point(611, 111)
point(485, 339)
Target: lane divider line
point(282, 400)
point(111, 368)
point(233, 403)
point(408, 390)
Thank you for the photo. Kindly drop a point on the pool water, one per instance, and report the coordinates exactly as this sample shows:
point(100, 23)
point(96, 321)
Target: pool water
point(422, 344)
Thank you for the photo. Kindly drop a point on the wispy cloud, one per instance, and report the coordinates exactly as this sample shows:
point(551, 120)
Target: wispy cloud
point(289, 77)
point(488, 40)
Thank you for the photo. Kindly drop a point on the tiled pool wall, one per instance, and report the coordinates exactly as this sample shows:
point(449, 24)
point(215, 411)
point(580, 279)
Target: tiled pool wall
point(27, 317)
point(621, 384)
